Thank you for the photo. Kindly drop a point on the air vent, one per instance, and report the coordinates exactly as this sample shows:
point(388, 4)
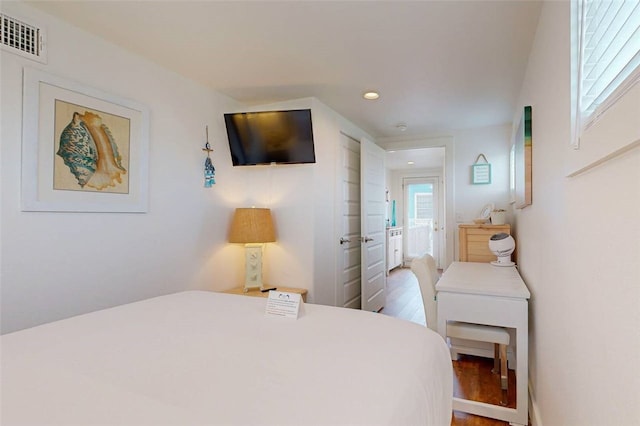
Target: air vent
point(21, 38)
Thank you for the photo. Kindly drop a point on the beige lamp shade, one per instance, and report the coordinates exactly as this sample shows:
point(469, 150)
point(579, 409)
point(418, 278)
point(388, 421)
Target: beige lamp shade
point(251, 225)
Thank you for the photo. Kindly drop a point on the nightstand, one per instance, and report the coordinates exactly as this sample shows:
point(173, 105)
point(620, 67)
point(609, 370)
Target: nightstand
point(258, 293)
point(474, 241)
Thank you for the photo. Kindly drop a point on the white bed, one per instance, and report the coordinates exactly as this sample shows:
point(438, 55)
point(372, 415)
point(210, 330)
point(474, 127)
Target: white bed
point(204, 358)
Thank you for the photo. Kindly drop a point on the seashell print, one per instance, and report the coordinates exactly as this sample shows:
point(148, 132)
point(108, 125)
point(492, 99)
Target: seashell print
point(78, 150)
point(90, 151)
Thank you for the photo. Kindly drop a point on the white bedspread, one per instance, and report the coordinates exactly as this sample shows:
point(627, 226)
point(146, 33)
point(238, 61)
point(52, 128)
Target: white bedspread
point(204, 358)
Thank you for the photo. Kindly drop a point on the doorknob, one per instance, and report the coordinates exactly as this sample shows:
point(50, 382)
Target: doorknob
point(344, 240)
point(366, 239)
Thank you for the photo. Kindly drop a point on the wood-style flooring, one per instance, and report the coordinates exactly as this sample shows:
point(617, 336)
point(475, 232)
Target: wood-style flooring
point(473, 378)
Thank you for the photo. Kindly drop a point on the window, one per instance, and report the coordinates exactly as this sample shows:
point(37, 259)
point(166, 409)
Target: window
point(607, 51)
point(423, 208)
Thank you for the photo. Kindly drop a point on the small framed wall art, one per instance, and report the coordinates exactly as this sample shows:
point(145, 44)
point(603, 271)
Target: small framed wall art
point(83, 150)
point(481, 172)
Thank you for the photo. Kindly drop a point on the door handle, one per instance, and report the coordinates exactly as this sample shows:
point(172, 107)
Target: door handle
point(344, 240)
point(366, 239)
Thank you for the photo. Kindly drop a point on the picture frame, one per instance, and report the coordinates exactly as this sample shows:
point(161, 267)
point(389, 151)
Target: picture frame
point(481, 174)
point(83, 150)
point(523, 152)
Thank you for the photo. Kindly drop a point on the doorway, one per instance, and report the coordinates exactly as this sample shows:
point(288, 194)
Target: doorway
point(423, 212)
point(422, 219)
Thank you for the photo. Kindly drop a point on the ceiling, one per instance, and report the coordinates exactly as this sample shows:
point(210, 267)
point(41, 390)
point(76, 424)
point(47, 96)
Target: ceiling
point(422, 158)
point(438, 66)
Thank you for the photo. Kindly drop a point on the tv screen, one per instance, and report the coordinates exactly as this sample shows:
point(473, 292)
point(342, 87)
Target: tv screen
point(267, 137)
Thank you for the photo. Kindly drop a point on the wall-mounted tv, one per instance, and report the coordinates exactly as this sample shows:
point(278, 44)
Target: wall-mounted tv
point(266, 137)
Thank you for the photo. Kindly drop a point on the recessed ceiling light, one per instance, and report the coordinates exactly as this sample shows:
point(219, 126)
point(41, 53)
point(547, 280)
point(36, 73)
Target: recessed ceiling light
point(411, 163)
point(371, 95)
point(401, 126)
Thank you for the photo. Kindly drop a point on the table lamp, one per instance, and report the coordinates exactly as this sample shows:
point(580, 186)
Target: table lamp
point(252, 227)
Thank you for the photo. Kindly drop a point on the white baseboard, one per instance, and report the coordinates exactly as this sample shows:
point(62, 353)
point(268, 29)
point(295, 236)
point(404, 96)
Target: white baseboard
point(534, 411)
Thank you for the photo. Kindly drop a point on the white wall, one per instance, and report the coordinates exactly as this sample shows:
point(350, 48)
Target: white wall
point(578, 252)
point(56, 265)
point(494, 142)
point(302, 199)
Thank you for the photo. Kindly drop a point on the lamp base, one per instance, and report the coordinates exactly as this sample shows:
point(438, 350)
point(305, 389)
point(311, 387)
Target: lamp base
point(253, 266)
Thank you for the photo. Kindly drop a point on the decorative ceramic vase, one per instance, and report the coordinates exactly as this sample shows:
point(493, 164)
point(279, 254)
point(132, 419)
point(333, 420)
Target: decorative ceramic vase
point(393, 213)
point(497, 217)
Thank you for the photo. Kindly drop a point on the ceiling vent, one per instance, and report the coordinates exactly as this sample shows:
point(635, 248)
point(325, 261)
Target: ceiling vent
point(21, 38)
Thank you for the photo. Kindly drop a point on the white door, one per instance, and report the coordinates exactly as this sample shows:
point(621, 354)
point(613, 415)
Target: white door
point(422, 226)
point(348, 291)
point(372, 195)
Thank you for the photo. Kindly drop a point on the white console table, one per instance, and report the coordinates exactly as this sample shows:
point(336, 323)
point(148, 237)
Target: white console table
point(481, 293)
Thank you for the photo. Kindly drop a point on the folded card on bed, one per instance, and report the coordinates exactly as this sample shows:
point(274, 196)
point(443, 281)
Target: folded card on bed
point(281, 304)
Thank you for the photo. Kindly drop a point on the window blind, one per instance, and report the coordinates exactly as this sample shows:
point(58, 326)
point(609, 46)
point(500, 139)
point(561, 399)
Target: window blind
point(609, 54)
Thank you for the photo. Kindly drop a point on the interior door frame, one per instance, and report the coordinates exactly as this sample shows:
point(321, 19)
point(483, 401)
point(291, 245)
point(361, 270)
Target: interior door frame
point(448, 185)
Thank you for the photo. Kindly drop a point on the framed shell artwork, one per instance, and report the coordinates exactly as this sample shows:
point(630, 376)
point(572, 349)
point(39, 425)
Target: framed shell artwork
point(83, 150)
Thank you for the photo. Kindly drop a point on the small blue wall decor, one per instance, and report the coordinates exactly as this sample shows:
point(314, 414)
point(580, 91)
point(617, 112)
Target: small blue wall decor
point(481, 172)
point(209, 170)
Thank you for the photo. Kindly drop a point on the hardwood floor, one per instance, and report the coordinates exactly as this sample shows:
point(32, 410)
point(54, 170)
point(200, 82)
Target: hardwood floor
point(472, 375)
point(403, 297)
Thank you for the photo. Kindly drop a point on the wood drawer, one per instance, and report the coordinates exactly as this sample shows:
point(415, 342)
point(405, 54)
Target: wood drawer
point(474, 241)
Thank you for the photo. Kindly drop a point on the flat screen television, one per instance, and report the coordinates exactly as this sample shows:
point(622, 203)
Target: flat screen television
point(265, 137)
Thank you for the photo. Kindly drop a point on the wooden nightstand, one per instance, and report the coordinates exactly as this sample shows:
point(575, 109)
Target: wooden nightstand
point(258, 293)
point(474, 241)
